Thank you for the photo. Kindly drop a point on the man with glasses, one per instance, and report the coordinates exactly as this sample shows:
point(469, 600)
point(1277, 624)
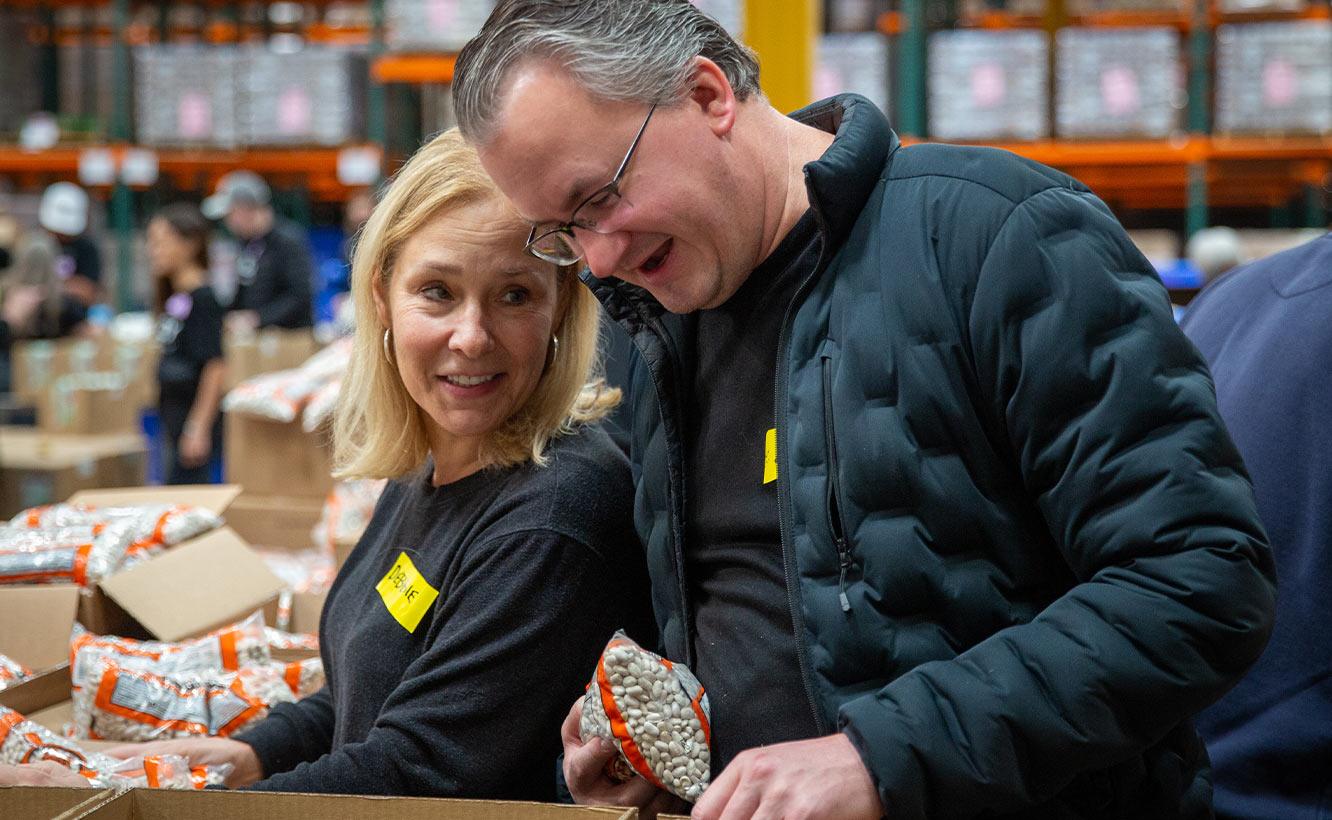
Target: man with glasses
point(935, 496)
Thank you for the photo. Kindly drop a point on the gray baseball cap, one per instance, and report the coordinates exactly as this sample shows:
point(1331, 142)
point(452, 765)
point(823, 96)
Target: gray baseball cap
point(236, 188)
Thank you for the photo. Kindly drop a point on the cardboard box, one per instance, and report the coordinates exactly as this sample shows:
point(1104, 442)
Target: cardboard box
point(35, 623)
point(42, 468)
point(137, 363)
point(268, 350)
point(204, 583)
point(150, 804)
point(37, 364)
point(273, 458)
point(40, 802)
point(98, 403)
point(275, 521)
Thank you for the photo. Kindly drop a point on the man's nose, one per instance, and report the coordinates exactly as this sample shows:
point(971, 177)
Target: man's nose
point(604, 252)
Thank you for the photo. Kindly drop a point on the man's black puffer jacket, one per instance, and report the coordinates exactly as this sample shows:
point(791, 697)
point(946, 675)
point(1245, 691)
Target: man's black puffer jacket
point(1021, 548)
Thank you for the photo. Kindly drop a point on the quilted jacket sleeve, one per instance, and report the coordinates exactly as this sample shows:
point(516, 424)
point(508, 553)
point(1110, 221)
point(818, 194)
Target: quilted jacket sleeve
point(1112, 418)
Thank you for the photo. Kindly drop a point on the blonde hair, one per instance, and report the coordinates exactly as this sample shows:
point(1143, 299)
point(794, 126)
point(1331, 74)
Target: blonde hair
point(378, 430)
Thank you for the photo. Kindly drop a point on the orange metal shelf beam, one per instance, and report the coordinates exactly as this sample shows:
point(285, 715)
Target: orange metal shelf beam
point(315, 168)
point(1155, 174)
point(891, 22)
point(413, 68)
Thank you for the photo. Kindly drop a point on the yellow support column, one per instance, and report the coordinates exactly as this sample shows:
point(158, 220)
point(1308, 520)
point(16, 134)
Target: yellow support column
point(785, 34)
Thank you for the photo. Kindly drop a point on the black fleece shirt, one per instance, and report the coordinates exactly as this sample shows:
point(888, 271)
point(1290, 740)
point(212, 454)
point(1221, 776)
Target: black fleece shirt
point(743, 636)
point(535, 567)
point(276, 278)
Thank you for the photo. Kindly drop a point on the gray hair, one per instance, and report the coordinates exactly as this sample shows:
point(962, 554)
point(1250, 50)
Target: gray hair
point(621, 50)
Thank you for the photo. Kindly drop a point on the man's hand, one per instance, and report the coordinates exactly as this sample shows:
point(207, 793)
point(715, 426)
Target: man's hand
point(823, 778)
point(43, 773)
point(204, 751)
point(585, 772)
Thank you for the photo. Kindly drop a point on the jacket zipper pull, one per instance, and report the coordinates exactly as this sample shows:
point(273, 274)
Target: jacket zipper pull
point(843, 562)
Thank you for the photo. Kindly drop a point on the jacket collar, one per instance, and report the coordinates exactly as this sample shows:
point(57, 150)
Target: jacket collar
point(839, 184)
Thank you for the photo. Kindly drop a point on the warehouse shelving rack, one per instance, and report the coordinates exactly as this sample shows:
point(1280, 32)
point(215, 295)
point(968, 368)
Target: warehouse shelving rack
point(1194, 172)
point(306, 174)
point(1191, 173)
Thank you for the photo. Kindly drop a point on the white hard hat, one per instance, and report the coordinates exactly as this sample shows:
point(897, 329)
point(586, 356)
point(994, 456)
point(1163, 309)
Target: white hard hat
point(64, 209)
point(1215, 251)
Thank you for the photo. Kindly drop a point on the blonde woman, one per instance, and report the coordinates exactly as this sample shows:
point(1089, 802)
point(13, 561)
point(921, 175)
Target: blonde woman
point(502, 556)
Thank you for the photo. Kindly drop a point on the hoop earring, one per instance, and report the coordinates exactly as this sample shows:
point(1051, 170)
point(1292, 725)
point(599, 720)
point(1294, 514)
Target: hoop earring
point(388, 356)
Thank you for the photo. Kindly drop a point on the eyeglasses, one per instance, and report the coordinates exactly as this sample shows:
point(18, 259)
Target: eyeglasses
point(555, 241)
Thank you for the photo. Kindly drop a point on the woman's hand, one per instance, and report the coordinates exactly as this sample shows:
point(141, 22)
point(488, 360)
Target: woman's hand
point(43, 773)
point(195, 446)
point(203, 751)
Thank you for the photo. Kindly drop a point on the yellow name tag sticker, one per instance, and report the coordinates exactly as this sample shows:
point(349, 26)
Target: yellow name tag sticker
point(406, 593)
point(770, 456)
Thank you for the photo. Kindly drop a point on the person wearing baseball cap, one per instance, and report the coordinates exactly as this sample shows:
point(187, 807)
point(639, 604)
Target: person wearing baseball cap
point(63, 213)
point(275, 272)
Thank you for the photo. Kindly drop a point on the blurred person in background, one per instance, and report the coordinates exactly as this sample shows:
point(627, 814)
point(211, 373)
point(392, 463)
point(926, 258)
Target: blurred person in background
point(507, 517)
point(9, 234)
point(1266, 332)
point(274, 269)
point(64, 212)
point(191, 370)
point(33, 301)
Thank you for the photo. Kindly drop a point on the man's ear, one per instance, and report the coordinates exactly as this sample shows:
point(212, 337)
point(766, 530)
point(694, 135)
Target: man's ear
point(713, 96)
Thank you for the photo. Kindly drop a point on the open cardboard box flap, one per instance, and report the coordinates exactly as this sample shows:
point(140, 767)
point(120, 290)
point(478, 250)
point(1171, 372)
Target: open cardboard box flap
point(214, 497)
point(35, 623)
point(208, 582)
point(152, 804)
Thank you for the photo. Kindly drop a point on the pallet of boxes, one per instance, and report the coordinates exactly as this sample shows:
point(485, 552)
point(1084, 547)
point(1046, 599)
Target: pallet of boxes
point(86, 396)
point(134, 615)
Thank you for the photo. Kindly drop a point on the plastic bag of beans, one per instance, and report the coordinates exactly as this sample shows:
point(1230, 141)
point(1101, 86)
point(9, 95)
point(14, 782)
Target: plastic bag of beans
point(80, 554)
point(162, 525)
point(134, 705)
point(655, 712)
point(225, 650)
point(22, 741)
point(11, 671)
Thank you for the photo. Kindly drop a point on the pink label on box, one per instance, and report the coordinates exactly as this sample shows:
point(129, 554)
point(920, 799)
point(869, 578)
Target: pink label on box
point(1119, 91)
point(988, 86)
point(194, 118)
point(1281, 83)
point(441, 15)
point(293, 111)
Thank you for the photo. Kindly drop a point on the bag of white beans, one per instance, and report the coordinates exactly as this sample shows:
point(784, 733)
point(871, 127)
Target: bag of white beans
point(23, 741)
point(656, 713)
point(134, 705)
